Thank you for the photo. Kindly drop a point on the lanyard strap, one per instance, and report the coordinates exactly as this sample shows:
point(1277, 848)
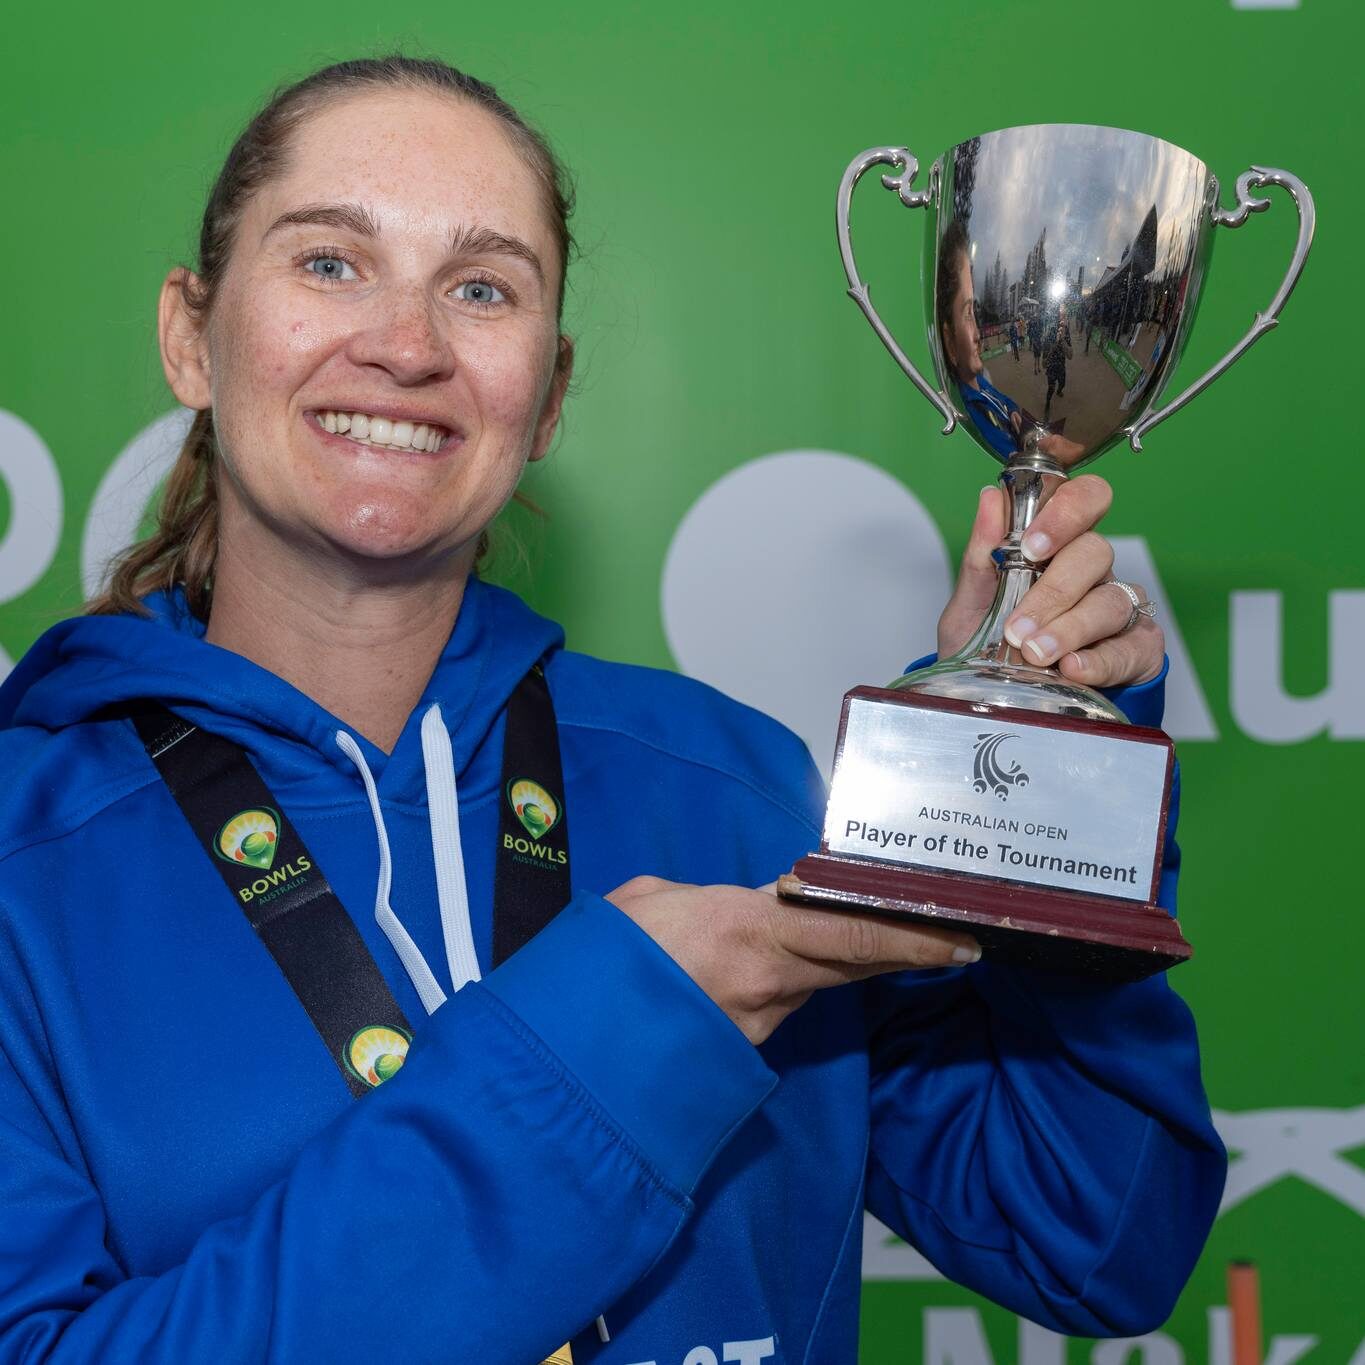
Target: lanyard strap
point(283, 892)
point(287, 899)
point(531, 883)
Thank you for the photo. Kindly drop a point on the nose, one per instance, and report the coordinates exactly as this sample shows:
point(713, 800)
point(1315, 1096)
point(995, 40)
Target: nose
point(405, 339)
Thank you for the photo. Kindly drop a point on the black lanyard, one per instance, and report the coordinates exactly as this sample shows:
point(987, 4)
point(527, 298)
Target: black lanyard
point(290, 904)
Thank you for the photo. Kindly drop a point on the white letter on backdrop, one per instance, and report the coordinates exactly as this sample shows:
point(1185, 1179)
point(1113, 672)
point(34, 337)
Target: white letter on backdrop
point(1259, 702)
point(124, 492)
point(953, 1336)
point(29, 545)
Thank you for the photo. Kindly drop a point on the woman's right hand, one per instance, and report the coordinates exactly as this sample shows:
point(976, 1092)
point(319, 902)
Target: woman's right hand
point(760, 958)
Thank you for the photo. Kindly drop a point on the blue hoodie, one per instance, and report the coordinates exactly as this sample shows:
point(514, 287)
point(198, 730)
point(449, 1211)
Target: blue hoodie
point(185, 1177)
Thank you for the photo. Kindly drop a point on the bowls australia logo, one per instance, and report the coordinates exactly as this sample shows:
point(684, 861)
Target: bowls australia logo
point(375, 1053)
point(250, 838)
point(537, 810)
point(989, 772)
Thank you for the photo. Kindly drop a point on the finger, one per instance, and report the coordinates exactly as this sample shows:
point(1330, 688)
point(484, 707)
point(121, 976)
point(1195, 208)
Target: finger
point(1076, 507)
point(1097, 616)
point(1119, 661)
point(640, 886)
point(977, 576)
point(1077, 573)
point(868, 942)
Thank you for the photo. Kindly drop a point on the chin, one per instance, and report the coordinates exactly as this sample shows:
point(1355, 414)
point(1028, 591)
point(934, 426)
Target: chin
point(391, 528)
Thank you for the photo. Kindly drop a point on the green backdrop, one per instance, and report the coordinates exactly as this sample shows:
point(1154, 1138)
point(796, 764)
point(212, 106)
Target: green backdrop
point(708, 140)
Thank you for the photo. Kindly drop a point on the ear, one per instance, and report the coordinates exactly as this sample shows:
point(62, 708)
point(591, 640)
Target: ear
point(184, 356)
point(554, 399)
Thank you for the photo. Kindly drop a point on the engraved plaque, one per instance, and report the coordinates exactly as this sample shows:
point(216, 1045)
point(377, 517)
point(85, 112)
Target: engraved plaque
point(1008, 798)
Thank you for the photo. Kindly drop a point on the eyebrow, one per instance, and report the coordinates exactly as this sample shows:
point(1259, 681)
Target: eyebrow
point(471, 241)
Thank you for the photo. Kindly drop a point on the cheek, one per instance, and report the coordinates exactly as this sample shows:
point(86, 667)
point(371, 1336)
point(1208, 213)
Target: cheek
point(511, 383)
point(266, 347)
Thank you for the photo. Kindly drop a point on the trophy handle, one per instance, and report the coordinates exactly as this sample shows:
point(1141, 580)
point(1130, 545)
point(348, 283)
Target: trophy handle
point(897, 157)
point(1247, 204)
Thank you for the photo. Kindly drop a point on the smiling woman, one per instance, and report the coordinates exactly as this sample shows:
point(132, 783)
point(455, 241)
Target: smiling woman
point(275, 212)
point(609, 1094)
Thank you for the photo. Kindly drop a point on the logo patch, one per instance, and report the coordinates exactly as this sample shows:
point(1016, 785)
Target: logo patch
point(375, 1053)
point(537, 810)
point(988, 771)
point(250, 838)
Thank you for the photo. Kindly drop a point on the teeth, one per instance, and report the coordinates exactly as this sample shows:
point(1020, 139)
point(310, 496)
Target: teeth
point(382, 431)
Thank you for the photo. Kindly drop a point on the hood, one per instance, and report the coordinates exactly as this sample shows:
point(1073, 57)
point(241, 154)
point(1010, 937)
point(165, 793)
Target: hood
point(83, 665)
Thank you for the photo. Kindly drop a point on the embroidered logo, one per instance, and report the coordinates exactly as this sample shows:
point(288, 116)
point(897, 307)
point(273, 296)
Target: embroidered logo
point(988, 771)
point(375, 1053)
point(537, 810)
point(250, 838)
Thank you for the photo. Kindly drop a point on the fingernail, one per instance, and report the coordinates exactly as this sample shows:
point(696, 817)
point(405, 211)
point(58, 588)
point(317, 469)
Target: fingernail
point(1016, 632)
point(967, 953)
point(1037, 545)
point(989, 488)
point(1080, 662)
point(1042, 647)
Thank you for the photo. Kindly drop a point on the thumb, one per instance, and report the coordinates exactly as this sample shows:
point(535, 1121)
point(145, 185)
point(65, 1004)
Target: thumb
point(977, 578)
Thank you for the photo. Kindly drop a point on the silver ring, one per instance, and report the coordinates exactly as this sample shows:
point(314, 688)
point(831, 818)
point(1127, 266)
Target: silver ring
point(1140, 608)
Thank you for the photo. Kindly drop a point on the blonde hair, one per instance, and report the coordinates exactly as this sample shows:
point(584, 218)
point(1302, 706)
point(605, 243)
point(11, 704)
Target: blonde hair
point(183, 548)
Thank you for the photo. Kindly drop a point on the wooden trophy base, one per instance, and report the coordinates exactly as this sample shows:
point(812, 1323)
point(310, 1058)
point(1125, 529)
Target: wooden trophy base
point(1042, 927)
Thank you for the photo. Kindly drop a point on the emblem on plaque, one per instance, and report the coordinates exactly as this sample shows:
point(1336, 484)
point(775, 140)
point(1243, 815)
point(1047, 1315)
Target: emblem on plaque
point(988, 774)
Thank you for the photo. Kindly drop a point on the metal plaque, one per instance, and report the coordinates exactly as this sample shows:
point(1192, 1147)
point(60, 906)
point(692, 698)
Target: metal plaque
point(985, 795)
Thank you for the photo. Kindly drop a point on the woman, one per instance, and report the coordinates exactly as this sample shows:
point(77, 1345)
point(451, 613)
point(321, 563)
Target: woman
point(610, 1121)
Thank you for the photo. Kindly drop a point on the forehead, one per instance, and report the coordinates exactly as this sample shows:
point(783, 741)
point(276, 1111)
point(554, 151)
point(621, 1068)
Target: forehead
point(964, 275)
point(418, 160)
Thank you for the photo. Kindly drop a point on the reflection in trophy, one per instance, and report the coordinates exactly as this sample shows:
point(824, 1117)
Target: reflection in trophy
point(1063, 264)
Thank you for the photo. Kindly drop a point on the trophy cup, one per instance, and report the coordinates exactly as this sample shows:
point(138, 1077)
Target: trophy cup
point(1063, 265)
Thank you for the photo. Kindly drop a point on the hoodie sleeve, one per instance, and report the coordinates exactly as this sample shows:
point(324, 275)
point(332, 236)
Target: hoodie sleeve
point(1044, 1138)
point(490, 1201)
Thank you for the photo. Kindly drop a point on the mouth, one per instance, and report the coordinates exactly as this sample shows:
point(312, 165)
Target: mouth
point(401, 435)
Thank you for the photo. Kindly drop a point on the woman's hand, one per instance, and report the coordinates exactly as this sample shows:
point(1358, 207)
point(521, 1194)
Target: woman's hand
point(760, 958)
point(1070, 617)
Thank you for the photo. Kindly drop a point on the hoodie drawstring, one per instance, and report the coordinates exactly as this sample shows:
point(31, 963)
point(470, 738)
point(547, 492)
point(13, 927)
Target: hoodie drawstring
point(447, 851)
point(428, 989)
point(444, 814)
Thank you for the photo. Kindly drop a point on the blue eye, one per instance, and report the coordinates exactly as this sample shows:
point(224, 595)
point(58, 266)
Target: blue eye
point(480, 291)
point(331, 268)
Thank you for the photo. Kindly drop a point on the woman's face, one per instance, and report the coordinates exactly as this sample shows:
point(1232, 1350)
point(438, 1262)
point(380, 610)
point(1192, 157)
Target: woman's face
point(961, 338)
point(399, 278)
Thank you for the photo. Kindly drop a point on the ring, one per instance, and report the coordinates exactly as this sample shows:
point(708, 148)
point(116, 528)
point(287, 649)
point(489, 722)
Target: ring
point(1140, 608)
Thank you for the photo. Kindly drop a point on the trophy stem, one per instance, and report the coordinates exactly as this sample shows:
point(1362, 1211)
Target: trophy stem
point(988, 670)
point(1028, 482)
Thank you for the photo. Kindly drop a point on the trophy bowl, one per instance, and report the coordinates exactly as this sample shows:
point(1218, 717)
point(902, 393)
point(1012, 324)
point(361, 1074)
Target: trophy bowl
point(1063, 266)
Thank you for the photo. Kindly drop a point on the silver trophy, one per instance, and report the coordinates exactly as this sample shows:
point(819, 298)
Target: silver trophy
point(1063, 265)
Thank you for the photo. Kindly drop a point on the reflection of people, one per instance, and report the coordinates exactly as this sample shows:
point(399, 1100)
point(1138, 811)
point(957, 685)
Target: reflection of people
point(671, 1074)
point(1014, 338)
point(996, 415)
point(1035, 340)
point(1056, 352)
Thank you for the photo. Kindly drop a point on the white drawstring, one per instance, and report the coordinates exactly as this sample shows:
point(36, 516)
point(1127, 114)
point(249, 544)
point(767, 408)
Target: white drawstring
point(447, 851)
point(430, 992)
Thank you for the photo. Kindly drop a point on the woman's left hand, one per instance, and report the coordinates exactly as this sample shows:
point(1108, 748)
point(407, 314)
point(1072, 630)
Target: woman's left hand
point(1072, 616)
